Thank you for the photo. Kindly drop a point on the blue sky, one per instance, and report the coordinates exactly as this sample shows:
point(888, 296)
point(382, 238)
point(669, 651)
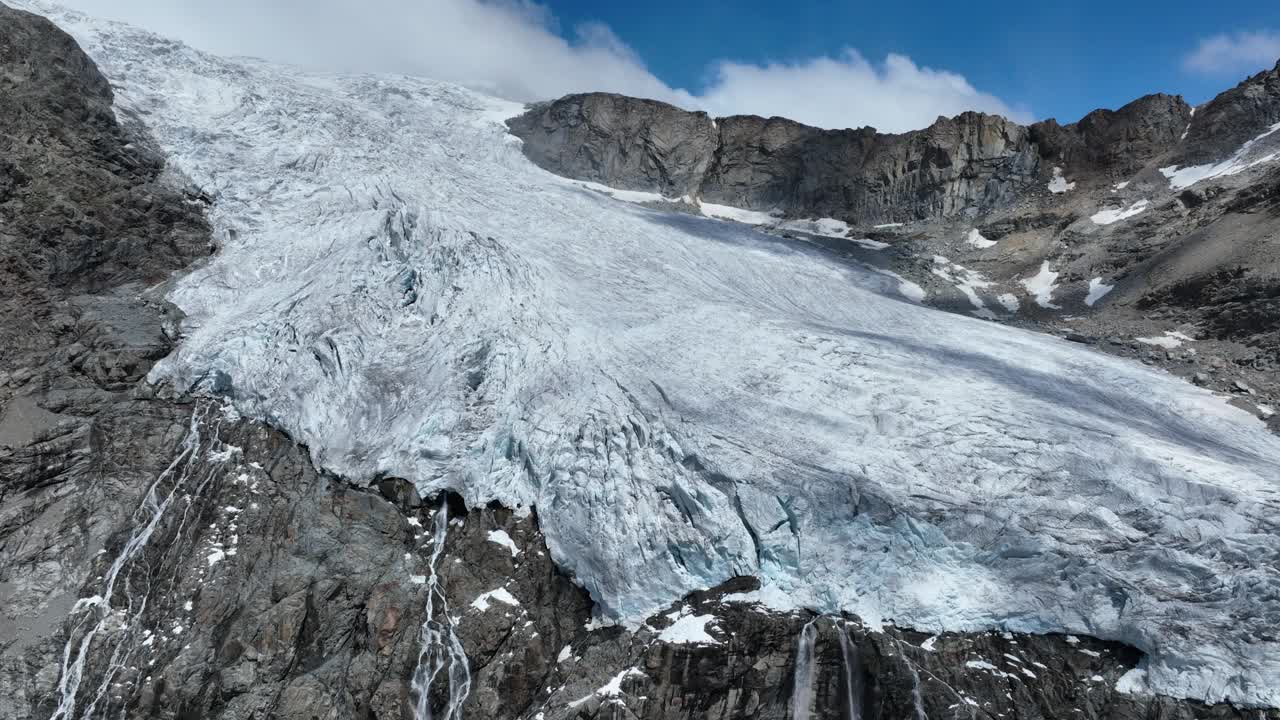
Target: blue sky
point(891, 65)
point(1058, 59)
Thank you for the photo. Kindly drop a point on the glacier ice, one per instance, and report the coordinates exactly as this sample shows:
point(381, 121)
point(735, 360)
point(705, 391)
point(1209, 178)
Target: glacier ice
point(685, 400)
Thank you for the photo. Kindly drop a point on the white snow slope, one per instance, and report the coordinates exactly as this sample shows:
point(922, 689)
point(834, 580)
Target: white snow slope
point(686, 400)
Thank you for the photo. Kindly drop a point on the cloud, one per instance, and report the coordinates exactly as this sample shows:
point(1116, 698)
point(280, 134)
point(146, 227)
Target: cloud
point(1231, 53)
point(849, 91)
point(516, 49)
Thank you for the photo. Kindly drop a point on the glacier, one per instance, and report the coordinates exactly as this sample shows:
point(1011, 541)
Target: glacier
point(682, 399)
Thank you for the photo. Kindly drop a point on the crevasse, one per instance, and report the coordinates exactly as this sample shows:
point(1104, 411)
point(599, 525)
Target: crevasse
point(685, 399)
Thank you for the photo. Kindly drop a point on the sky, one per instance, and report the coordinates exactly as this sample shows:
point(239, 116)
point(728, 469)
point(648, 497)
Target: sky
point(895, 66)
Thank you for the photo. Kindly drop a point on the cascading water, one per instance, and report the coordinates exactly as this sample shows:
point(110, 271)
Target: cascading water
point(852, 675)
point(117, 625)
point(802, 694)
point(441, 649)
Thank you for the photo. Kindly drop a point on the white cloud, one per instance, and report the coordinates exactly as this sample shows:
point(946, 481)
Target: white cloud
point(849, 91)
point(1225, 53)
point(513, 48)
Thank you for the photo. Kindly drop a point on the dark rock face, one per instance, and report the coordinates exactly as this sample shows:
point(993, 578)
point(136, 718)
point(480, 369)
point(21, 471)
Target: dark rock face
point(965, 164)
point(1233, 118)
point(628, 143)
point(1115, 142)
point(969, 163)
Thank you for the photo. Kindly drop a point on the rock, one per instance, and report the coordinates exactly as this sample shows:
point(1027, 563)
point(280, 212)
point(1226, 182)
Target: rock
point(1240, 386)
point(1232, 118)
point(1201, 379)
point(970, 162)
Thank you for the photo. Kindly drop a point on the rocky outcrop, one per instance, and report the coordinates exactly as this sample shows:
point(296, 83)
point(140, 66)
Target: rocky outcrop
point(1114, 142)
point(1232, 118)
point(620, 141)
point(966, 164)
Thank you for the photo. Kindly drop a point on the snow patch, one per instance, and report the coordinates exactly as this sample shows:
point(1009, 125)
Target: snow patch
point(1059, 184)
point(501, 537)
point(501, 595)
point(976, 239)
point(967, 281)
point(613, 688)
point(689, 629)
point(1097, 291)
point(1115, 215)
point(1041, 286)
point(1169, 340)
point(1234, 165)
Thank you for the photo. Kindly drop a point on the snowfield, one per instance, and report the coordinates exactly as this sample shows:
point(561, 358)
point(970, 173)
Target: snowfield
point(685, 400)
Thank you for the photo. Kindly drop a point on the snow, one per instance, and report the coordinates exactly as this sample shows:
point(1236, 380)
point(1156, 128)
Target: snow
point(928, 644)
point(502, 538)
point(565, 653)
point(904, 287)
point(886, 226)
point(1121, 185)
point(1115, 215)
point(748, 217)
point(613, 688)
point(869, 244)
point(826, 227)
point(1009, 301)
point(1170, 340)
point(1041, 286)
point(1059, 184)
point(1097, 291)
point(689, 629)
point(1133, 682)
point(1244, 159)
point(967, 281)
point(975, 239)
point(684, 400)
point(502, 595)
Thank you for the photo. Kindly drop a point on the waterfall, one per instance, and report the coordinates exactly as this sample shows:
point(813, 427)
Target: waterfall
point(802, 694)
point(852, 675)
point(114, 621)
point(916, 698)
point(441, 649)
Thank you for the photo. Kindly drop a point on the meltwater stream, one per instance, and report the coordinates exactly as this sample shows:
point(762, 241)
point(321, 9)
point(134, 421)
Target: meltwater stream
point(802, 694)
point(440, 650)
point(112, 617)
point(852, 674)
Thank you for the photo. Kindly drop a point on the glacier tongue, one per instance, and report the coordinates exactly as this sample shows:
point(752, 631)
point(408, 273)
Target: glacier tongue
point(685, 400)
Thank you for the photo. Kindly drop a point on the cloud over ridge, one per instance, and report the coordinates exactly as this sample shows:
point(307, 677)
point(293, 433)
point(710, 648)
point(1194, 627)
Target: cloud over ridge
point(514, 49)
point(1227, 53)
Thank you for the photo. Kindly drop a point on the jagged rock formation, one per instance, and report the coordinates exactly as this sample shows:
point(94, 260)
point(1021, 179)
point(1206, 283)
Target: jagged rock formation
point(970, 162)
point(267, 588)
point(1233, 118)
point(1114, 143)
point(966, 165)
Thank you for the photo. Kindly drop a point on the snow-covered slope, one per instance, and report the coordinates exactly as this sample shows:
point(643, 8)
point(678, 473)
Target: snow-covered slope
point(685, 399)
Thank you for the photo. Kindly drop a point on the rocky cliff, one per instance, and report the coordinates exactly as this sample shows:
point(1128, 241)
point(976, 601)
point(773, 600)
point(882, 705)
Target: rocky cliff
point(963, 166)
point(161, 557)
